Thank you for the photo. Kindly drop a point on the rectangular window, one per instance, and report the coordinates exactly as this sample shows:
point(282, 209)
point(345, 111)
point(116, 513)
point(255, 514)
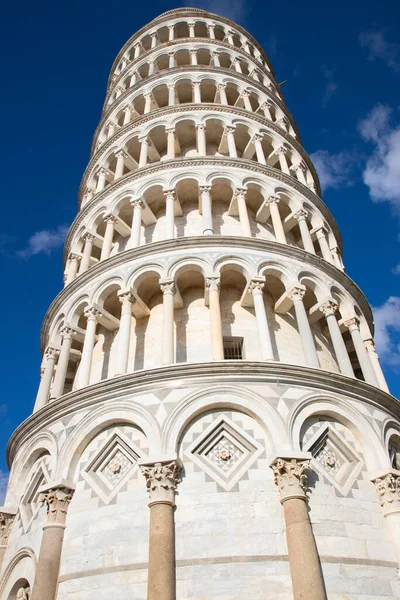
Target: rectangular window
point(233, 348)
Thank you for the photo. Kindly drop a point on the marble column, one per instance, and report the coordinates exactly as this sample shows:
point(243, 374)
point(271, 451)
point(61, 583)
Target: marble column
point(162, 479)
point(6, 522)
point(336, 258)
point(171, 59)
point(222, 94)
point(62, 364)
point(193, 57)
point(246, 101)
point(242, 210)
point(74, 260)
point(170, 143)
point(201, 140)
point(196, 92)
point(87, 252)
point(169, 214)
point(258, 138)
point(205, 193)
point(280, 236)
point(119, 168)
point(137, 205)
point(374, 358)
point(256, 287)
point(237, 65)
point(127, 299)
point(101, 181)
point(298, 169)
point(43, 394)
point(171, 95)
point(144, 147)
point(92, 315)
point(301, 217)
point(57, 500)
point(127, 118)
point(281, 154)
point(306, 336)
point(305, 566)
point(110, 221)
point(217, 343)
point(230, 131)
point(266, 108)
point(211, 32)
point(353, 325)
point(387, 486)
point(321, 235)
point(171, 33)
point(328, 309)
point(147, 102)
point(215, 57)
point(137, 51)
point(167, 343)
point(191, 29)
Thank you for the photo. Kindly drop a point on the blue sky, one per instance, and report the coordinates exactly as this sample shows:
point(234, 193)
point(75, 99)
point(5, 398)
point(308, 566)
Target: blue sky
point(342, 63)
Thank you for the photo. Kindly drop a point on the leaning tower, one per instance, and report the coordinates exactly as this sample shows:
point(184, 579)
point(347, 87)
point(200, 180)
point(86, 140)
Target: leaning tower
point(212, 421)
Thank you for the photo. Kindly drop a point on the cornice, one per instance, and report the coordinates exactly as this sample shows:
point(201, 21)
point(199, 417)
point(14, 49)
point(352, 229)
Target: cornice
point(186, 12)
point(220, 162)
point(190, 243)
point(187, 108)
point(184, 70)
point(239, 372)
point(178, 41)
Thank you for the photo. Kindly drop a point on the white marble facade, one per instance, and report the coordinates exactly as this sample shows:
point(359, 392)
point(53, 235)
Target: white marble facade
point(206, 316)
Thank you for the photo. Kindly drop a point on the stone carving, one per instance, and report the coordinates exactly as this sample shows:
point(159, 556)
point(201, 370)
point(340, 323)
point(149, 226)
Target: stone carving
point(6, 521)
point(388, 489)
point(24, 593)
point(290, 476)
point(57, 501)
point(296, 294)
point(213, 283)
point(329, 308)
point(161, 480)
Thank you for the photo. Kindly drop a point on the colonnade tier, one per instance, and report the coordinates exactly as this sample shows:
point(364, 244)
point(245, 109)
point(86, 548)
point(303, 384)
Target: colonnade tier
point(93, 336)
point(188, 85)
point(186, 54)
point(197, 24)
point(192, 209)
point(196, 132)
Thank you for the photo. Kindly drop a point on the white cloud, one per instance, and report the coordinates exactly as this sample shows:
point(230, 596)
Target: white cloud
point(331, 86)
point(43, 242)
point(379, 47)
point(233, 9)
point(387, 331)
point(382, 172)
point(3, 486)
point(334, 170)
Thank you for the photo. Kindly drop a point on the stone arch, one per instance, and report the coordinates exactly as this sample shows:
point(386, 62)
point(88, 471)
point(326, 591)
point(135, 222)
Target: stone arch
point(329, 405)
point(19, 572)
point(223, 397)
point(113, 412)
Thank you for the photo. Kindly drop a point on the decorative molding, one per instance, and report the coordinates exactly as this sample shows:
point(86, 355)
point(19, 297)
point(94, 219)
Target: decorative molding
point(208, 373)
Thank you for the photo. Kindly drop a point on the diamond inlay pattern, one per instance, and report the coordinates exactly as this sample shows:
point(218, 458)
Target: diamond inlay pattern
point(224, 450)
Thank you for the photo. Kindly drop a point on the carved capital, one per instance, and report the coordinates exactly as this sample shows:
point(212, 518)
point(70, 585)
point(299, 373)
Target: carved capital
point(92, 313)
point(6, 521)
point(88, 237)
point(67, 332)
point(300, 214)
point(169, 194)
point(76, 257)
point(213, 283)
point(200, 127)
point(196, 84)
point(161, 481)
point(370, 345)
point(245, 94)
point(24, 593)
point(258, 137)
point(51, 353)
point(299, 167)
point(221, 86)
point(273, 200)
point(328, 308)
point(110, 218)
point(127, 299)
point(230, 129)
point(290, 477)
point(296, 294)
point(57, 501)
point(256, 286)
point(205, 189)
point(268, 104)
point(388, 490)
point(121, 154)
point(281, 150)
point(167, 286)
point(352, 322)
point(137, 203)
point(241, 192)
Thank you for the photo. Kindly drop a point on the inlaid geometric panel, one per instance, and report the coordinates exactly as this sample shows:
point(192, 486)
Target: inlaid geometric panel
point(224, 451)
point(30, 500)
point(110, 461)
point(335, 455)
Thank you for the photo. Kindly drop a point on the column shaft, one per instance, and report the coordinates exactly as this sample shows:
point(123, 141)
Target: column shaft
point(231, 142)
point(262, 323)
point(217, 344)
point(62, 365)
point(277, 221)
point(310, 353)
point(88, 345)
point(201, 140)
point(169, 215)
point(365, 363)
point(323, 244)
point(134, 240)
point(206, 210)
point(339, 346)
point(167, 348)
point(73, 268)
point(161, 578)
point(243, 214)
point(304, 231)
point(171, 143)
point(108, 237)
point(87, 253)
point(45, 383)
point(144, 143)
point(125, 324)
point(373, 356)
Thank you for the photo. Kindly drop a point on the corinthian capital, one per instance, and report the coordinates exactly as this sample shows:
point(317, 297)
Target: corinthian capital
point(213, 283)
point(290, 476)
point(57, 500)
point(6, 521)
point(161, 480)
point(388, 489)
point(167, 286)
